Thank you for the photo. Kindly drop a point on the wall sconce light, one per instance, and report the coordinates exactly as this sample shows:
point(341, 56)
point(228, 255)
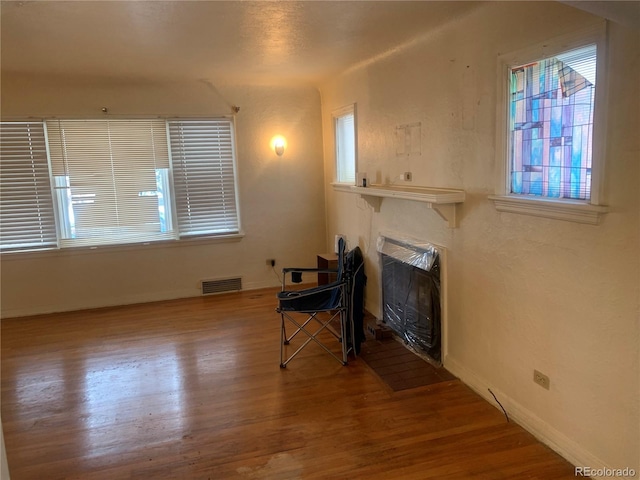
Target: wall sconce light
point(279, 144)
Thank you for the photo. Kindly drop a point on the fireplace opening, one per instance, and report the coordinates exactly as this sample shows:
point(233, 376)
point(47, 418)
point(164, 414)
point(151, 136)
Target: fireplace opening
point(411, 294)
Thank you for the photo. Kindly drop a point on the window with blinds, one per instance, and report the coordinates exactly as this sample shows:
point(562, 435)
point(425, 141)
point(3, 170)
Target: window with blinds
point(108, 180)
point(345, 139)
point(27, 219)
point(73, 183)
point(203, 158)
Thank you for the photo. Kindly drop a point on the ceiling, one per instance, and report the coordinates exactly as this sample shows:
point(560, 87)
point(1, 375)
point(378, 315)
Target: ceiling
point(222, 41)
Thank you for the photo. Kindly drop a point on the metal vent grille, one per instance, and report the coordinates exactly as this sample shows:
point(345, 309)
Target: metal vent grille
point(210, 287)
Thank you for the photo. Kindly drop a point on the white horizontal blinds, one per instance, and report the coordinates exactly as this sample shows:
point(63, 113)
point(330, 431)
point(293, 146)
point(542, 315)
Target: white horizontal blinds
point(346, 148)
point(27, 219)
point(106, 176)
point(582, 60)
point(203, 160)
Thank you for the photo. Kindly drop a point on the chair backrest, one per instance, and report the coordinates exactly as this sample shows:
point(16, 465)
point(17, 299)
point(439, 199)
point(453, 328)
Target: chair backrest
point(338, 295)
point(341, 255)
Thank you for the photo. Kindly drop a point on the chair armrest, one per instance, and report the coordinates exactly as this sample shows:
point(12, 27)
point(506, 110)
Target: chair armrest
point(317, 270)
point(286, 297)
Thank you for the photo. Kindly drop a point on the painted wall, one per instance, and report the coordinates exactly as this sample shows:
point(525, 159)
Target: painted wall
point(281, 199)
point(524, 292)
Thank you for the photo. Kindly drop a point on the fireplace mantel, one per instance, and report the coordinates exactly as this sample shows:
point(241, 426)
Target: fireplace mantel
point(442, 200)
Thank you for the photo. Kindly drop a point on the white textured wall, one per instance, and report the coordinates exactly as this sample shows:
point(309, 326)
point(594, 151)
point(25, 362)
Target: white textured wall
point(281, 199)
point(524, 292)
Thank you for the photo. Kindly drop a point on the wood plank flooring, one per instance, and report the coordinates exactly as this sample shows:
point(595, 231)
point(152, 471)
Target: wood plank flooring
point(192, 389)
point(399, 367)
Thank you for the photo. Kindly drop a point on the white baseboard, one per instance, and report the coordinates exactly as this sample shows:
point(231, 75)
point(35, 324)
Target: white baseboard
point(123, 300)
point(563, 445)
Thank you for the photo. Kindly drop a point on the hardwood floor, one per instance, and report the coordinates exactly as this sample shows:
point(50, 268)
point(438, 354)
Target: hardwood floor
point(192, 389)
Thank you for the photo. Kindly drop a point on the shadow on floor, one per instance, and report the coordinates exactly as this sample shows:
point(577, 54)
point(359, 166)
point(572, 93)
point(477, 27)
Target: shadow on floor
point(399, 367)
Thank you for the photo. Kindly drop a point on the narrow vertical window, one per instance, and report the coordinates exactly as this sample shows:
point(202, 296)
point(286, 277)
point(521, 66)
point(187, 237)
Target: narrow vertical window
point(345, 140)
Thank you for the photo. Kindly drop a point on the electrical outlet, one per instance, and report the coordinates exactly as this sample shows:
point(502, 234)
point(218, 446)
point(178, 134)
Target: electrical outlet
point(271, 262)
point(407, 176)
point(541, 379)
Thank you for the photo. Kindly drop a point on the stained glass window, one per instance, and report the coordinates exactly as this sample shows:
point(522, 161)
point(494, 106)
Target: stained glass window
point(551, 125)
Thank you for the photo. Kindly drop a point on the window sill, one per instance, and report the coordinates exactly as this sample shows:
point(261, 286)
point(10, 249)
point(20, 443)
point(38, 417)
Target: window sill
point(342, 187)
point(92, 250)
point(571, 211)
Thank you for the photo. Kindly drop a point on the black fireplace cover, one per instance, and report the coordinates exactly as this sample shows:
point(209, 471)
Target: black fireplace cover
point(411, 303)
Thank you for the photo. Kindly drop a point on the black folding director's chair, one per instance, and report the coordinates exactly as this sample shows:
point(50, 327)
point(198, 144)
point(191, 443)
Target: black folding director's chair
point(322, 306)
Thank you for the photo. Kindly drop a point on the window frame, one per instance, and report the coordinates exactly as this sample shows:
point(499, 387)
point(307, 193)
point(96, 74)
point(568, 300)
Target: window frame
point(177, 241)
point(335, 116)
point(580, 211)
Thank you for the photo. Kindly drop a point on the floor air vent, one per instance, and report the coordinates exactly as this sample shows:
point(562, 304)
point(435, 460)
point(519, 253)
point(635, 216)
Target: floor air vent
point(210, 287)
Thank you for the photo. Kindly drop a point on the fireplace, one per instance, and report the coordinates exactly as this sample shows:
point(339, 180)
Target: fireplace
point(411, 293)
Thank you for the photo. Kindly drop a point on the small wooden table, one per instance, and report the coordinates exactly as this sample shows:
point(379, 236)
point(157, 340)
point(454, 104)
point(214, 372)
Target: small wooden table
point(327, 261)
